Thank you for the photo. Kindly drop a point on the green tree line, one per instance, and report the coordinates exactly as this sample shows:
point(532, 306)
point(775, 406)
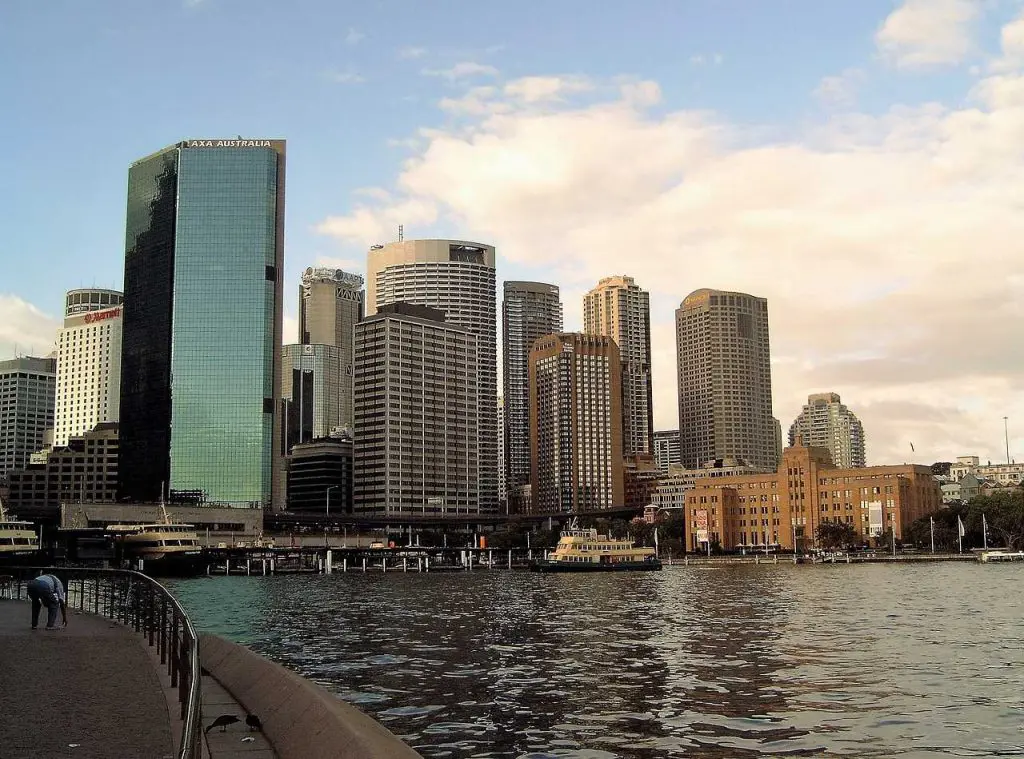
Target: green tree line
point(1003, 511)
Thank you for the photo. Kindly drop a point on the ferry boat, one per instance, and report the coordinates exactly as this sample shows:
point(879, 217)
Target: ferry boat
point(997, 555)
point(584, 550)
point(17, 537)
point(162, 547)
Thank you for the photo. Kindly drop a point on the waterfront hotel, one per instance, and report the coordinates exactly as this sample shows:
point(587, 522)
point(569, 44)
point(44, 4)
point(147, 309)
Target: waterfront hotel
point(88, 363)
point(784, 508)
point(201, 364)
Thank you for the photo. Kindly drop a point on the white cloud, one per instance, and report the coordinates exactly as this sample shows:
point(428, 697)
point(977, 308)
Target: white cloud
point(354, 36)
point(702, 59)
point(1011, 37)
point(290, 329)
point(462, 70)
point(412, 52)
point(923, 33)
point(840, 91)
point(534, 89)
point(24, 329)
point(345, 77)
point(347, 264)
point(890, 247)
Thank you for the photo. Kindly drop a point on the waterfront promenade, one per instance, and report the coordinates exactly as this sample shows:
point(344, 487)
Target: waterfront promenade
point(95, 690)
point(89, 691)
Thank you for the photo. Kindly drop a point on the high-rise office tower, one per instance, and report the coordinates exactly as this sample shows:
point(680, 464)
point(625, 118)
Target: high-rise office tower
point(666, 449)
point(27, 391)
point(825, 422)
point(417, 431)
point(330, 306)
point(725, 380)
point(311, 384)
point(88, 363)
point(618, 308)
point(529, 311)
point(457, 278)
point(200, 355)
point(576, 424)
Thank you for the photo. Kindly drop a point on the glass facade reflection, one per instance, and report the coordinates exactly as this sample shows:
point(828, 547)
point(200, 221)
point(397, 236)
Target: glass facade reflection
point(203, 332)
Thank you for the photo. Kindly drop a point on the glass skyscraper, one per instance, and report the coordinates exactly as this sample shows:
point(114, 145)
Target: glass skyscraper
point(201, 373)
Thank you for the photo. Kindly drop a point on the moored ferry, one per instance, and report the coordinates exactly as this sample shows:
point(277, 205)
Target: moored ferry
point(164, 548)
point(584, 550)
point(17, 537)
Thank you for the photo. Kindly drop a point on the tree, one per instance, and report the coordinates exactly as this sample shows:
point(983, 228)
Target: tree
point(1002, 512)
point(835, 535)
point(941, 468)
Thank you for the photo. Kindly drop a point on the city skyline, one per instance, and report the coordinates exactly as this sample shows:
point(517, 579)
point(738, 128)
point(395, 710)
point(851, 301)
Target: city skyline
point(878, 129)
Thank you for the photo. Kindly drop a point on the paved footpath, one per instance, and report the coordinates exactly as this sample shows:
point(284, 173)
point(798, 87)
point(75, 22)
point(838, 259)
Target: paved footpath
point(89, 691)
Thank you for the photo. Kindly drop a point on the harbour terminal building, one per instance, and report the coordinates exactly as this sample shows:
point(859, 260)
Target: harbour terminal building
point(783, 509)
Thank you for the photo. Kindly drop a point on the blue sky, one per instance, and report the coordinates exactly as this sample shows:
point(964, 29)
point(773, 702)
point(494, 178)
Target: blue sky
point(90, 87)
point(93, 86)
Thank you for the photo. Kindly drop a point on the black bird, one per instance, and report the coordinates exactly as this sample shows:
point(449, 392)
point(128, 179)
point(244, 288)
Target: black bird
point(222, 722)
point(253, 722)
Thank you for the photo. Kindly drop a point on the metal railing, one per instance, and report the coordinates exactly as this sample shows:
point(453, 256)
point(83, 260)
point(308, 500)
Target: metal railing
point(138, 601)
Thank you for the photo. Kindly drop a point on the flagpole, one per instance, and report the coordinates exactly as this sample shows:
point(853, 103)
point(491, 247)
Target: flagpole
point(931, 522)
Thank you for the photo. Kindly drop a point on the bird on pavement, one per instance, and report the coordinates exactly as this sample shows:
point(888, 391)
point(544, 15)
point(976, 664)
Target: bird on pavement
point(253, 722)
point(222, 722)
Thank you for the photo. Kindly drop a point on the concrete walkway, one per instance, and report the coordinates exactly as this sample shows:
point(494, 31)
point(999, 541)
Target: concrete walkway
point(89, 691)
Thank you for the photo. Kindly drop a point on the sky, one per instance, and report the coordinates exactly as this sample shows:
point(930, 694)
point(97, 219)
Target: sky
point(859, 164)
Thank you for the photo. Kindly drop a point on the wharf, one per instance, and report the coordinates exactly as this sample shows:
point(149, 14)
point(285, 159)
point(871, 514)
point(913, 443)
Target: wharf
point(327, 560)
point(838, 558)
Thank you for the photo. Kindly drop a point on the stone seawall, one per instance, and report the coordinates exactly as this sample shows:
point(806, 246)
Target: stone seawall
point(301, 719)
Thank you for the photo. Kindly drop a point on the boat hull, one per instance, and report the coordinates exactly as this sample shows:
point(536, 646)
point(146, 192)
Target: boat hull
point(582, 566)
point(178, 564)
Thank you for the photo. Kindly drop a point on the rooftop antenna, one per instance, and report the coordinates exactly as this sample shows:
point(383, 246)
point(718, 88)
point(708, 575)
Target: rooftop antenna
point(1006, 436)
point(401, 232)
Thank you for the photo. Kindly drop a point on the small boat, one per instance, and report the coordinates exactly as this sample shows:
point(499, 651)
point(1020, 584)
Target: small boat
point(584, 550)
point(17, 537)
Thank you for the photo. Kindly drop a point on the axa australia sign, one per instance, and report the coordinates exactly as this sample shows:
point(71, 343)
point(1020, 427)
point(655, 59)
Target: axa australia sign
point(229, 143)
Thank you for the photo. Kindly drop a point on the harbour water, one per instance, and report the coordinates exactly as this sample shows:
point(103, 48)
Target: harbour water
point(739, 661)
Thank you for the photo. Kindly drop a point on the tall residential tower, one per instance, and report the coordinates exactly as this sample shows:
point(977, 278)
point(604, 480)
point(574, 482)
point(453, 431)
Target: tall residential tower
point(725, 379)
point(826, 423)
point(575, 424)
point(201, 362)
point(458, 279)
point(618, 308)
point(529, 311)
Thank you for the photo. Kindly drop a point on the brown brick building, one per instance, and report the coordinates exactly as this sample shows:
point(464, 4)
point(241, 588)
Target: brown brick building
point(787, 506)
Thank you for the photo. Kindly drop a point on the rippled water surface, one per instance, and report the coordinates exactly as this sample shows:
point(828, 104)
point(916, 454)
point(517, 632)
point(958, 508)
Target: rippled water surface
point(743, 661)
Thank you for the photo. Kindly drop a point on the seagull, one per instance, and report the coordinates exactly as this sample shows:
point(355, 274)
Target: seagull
point(222, 722)
point(253, 722)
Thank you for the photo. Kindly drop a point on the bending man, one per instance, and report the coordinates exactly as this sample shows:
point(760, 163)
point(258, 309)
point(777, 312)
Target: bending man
point(47, 590)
